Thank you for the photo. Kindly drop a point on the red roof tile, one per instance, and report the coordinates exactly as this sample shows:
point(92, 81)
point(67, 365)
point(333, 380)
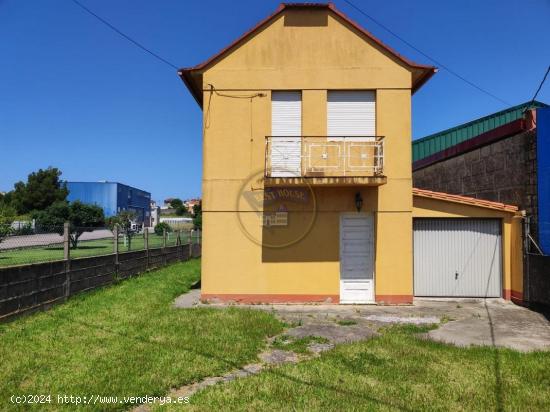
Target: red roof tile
point(464, 200)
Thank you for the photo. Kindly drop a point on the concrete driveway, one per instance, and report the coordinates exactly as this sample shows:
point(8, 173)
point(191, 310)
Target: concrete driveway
point(491, 322)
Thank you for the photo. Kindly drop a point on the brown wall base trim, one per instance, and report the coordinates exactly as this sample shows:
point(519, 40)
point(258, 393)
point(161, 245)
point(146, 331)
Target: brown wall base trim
point(394, 299)
point(269, 298)
point(514, 296)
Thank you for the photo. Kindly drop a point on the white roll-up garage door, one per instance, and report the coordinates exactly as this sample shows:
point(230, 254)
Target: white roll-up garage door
point(457, 257)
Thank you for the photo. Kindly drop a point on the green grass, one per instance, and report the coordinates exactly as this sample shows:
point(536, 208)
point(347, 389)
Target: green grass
point(127, 340)
point(395, 371)
point(299, 345)
point(85, 248)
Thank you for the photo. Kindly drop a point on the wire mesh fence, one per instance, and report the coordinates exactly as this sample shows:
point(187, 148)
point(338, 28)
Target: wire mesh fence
point(43, 244)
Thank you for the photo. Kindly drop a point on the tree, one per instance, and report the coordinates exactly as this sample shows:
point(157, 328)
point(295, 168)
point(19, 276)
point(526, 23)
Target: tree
point(161, 227)
point(7, 214)
point(123, 220)
point(197, 215)
point(179, 207)
point(176, 203)
point(43, 189)
point(81, 217)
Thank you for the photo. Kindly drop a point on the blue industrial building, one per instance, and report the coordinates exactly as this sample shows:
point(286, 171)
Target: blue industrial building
point(543, 177)
point(112, 197)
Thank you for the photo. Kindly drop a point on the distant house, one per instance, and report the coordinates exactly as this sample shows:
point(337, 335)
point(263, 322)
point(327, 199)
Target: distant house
point(113, 197)
point(190, 203)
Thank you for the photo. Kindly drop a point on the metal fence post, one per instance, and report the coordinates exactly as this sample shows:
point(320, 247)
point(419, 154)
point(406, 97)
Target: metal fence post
point(67, 258)
point(163, 238)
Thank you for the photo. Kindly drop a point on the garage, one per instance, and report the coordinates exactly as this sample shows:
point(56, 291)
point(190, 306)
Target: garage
point(457, 257)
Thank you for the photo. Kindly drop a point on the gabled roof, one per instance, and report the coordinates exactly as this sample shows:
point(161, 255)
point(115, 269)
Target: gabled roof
point(187, 73)
point(464, 200)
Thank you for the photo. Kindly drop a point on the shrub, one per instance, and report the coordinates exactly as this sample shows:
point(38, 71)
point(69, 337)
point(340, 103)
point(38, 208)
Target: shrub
point(160, 227)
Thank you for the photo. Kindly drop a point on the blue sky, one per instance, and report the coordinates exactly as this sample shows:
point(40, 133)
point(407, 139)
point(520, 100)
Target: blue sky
point(75, 95)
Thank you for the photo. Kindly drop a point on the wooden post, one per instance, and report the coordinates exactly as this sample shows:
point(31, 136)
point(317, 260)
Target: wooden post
point(115, 251)
point(163, 238)
point(146, 245)
point(66, 242)
point(67, 258)
point(190, 244)
point(115, 243)
point(178, 238)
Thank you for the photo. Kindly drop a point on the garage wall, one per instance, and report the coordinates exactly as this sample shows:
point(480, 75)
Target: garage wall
point(512, 257)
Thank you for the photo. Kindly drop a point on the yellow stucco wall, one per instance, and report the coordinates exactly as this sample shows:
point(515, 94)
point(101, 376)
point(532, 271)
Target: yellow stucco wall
point(292, 53)
point(512, 257)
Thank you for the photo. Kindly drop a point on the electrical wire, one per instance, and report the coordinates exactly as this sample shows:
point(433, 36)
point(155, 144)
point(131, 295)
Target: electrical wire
point(234, 96)
point(142, 47)
point(540, 85)
point(438, 63)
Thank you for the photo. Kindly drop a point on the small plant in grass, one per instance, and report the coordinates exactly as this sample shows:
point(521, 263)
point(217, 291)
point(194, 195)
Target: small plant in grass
point(297, 345)
point(446, 318)
point(346, 322)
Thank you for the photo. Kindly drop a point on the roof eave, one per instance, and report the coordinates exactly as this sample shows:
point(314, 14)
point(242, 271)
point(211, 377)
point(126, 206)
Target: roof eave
point(186, 76)
point(429, 72)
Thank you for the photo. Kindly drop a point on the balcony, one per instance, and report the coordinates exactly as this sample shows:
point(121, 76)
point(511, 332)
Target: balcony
point(324, 160)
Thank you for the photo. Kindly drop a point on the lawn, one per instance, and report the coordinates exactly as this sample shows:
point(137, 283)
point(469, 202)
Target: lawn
point(85, 248)
point(396, 371)
point(126, 340)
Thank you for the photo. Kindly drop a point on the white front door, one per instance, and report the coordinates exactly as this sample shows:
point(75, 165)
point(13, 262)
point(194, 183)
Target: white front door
point(286, 131)
point(357, 258)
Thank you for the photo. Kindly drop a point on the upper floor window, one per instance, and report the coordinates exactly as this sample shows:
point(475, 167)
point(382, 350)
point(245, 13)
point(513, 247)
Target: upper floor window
point(286, 131)
point(286, 113)
point(351, 113)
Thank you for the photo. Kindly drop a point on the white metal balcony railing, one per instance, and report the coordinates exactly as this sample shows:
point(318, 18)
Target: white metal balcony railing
point(324, 156)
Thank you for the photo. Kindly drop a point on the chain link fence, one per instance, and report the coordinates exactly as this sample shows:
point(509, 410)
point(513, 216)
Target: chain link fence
point(28, 244)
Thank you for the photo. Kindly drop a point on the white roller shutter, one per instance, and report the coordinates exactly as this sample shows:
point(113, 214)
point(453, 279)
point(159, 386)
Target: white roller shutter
point(351, 113)
point(457, 257)
point(286, 129)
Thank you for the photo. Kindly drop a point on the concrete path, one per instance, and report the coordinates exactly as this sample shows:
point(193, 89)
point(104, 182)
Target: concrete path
point(464, 322)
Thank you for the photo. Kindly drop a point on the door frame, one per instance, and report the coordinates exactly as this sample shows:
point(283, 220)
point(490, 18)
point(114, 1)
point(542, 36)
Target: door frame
point(372, 215)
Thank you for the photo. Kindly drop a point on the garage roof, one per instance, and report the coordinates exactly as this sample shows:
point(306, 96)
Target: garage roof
point(464, 200)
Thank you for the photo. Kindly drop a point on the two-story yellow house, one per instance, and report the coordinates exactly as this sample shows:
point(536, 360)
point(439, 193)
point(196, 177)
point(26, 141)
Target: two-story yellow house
point(307, 186)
